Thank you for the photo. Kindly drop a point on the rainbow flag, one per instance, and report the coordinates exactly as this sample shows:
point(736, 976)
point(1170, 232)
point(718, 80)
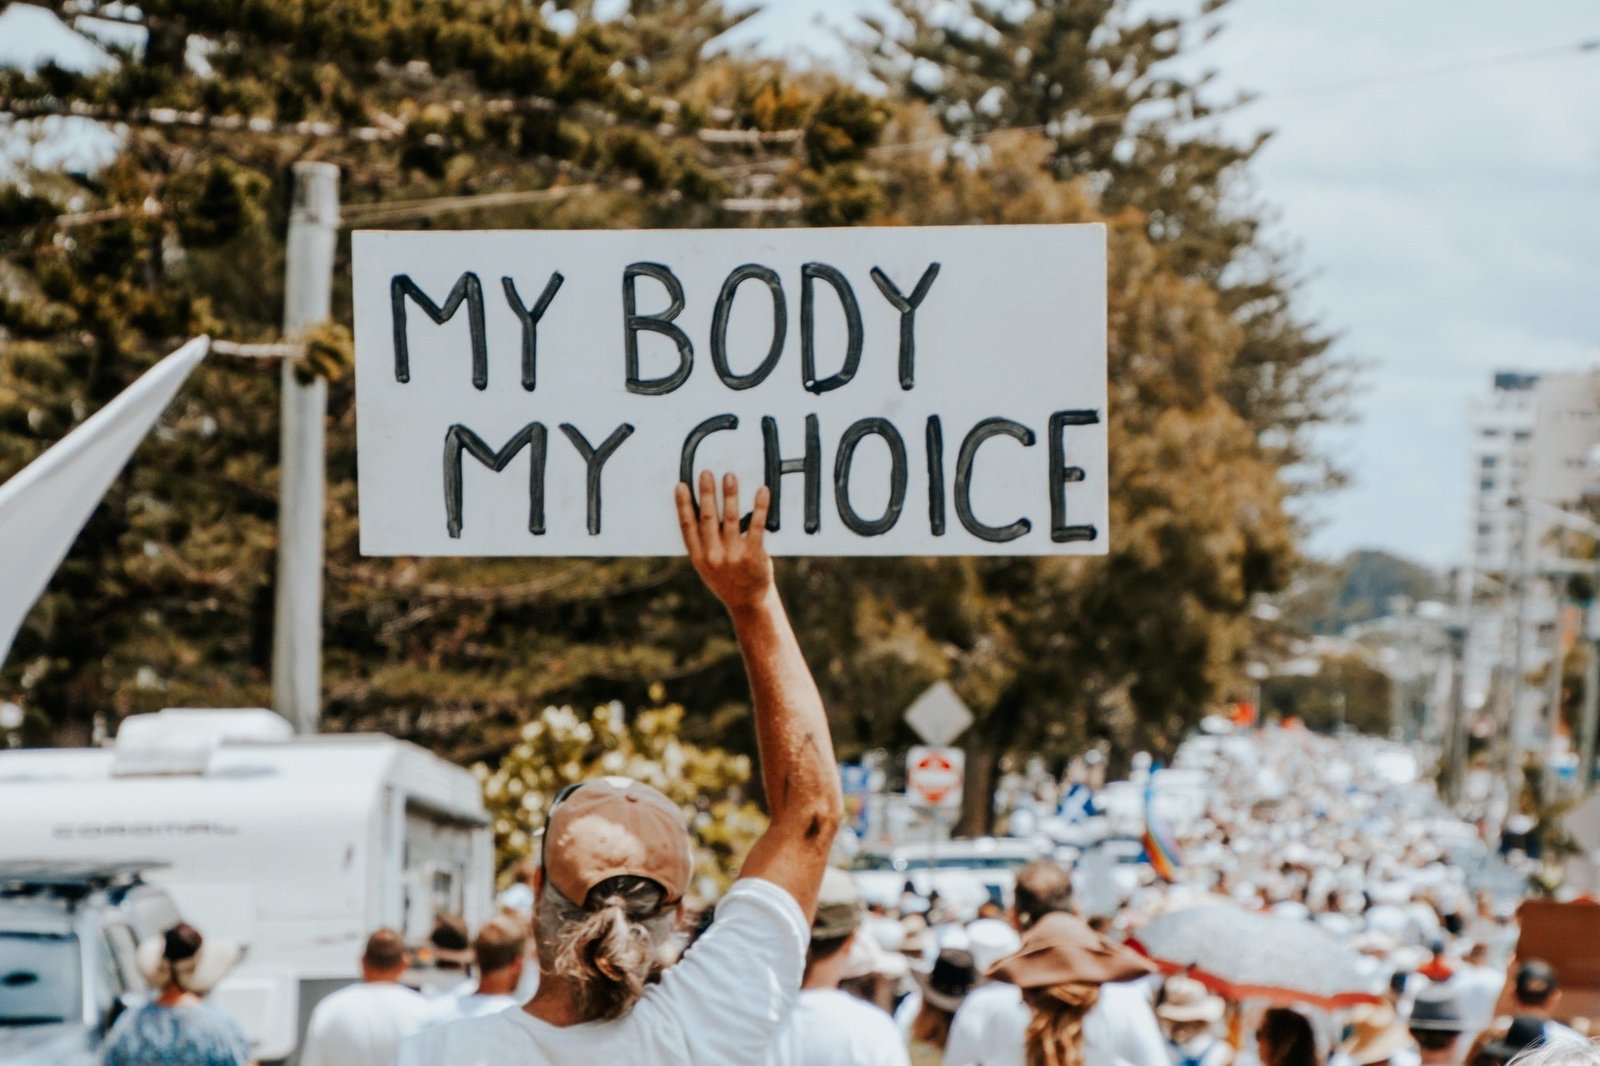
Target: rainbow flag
point(1160, 848)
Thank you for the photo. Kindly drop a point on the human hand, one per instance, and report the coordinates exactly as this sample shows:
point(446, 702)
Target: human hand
point(734, 564)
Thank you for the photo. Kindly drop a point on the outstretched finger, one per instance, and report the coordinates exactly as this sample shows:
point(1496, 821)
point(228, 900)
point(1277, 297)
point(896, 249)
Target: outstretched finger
point(730, 508)
point(758, 517)
point(687, 523)
point(709, 537)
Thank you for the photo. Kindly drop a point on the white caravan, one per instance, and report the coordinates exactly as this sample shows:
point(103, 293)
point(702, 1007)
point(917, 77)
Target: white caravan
point(297, 847)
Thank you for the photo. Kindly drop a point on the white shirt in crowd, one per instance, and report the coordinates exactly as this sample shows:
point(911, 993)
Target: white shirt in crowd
point(1476, 990)
point(833, 1028)
point(722, 1005)
point(470, 1004)
point(990, 1027)
point(363, 1024)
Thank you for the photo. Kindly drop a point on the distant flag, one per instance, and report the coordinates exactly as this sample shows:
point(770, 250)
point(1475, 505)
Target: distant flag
point(45, 504)
point(1077, 804)
point(1160, 847)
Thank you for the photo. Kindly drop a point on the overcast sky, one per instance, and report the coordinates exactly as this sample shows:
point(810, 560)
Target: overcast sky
point(1449, 226)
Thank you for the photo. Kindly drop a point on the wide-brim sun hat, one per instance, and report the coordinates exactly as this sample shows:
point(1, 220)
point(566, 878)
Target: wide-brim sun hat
point(1061, 948)
point(199, 973)
point(1377, 1035)
point(946, 985)
point(1187, 1000)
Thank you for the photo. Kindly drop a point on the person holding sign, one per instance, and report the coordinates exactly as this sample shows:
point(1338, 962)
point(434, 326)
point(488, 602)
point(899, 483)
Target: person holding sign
point(617, 864)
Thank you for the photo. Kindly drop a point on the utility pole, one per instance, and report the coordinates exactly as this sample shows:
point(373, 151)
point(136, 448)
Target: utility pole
point(1550, 720)
point(307, 302)
point(1514, 684)
point(1587, 728)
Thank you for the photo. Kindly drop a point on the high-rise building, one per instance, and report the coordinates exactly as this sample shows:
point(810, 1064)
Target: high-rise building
point(1502, 456)
point(1566, 430)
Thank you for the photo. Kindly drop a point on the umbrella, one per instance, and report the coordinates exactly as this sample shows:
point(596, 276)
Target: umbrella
point(1242, 954)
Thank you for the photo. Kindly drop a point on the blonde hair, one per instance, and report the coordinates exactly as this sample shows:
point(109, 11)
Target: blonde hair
point(1055, 1033)
point(607, 948)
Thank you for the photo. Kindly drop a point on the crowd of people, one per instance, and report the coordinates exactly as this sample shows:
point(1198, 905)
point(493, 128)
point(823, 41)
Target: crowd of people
point(598, 958)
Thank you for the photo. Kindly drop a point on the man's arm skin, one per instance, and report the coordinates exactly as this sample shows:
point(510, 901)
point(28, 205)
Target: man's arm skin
point(797, 764)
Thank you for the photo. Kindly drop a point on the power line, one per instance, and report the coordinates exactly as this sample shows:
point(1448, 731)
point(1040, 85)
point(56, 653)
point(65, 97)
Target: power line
point(1362, 81)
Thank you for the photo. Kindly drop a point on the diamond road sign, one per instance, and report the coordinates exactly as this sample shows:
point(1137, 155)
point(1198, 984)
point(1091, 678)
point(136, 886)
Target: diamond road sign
point(938, 715)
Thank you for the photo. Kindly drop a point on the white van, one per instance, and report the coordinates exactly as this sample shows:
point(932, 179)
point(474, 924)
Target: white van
point(297, 847)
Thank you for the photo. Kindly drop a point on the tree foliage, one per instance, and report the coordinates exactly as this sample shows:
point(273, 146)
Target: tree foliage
point(558, 747)
point(166, 598)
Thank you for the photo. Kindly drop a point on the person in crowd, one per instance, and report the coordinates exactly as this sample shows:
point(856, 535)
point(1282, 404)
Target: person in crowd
point(1503, 1045)
point(1437, 1025)
point(1538, 995)
point(444, 964)
point(989, 1028)
point(1191, 1015)
point(1476, 987)
point(497, 952)
point(939, 995)
point(362, 1024)
point(177, 1028)
point(1285, 1038)
point(1060, 970)
point(1377, 1037)
point(617, 863)
point(1563, 1053)
point(829, 1027)
point(872, 973)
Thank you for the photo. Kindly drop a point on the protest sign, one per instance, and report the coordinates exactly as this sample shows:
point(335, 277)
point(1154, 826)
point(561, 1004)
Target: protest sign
point(905, 391)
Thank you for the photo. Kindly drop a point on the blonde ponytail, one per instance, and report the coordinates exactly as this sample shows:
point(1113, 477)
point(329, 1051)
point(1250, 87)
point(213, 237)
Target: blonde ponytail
point(607, 947)
point(1055, 1033)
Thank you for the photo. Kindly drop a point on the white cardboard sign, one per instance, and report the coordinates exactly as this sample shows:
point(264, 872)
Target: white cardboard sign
point(907, 391)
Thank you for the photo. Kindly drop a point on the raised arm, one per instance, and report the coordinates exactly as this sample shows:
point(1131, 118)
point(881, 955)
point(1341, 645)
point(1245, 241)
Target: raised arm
point(797, 766)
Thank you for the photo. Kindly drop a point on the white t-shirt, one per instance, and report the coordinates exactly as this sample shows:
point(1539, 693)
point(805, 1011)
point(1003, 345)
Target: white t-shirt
point(833, 1028)
point(721, 1005)
point(362, 1024)
point(1121, 1029)
point(470, 1004)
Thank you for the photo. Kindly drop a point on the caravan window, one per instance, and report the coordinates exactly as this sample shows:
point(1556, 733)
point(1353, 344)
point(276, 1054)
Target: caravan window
point(40, 979)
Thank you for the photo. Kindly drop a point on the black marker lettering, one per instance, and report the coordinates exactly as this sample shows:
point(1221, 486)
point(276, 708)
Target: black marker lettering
point(661, 323)
point(1061, 474)
point(935, 476)
point(691, 444)
point(810, 465)
point(809, 273)
point(595, 459)
point(907, 306)
point(897, 476)
point(724, 311)
point(459, 439)
point(989, 427)
point(530, 323)
point(467, 288)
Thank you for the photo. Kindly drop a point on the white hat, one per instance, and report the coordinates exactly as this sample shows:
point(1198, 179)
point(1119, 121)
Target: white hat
point(198, 973)
point(517, 899)
point(866, 958)
point(990, 940)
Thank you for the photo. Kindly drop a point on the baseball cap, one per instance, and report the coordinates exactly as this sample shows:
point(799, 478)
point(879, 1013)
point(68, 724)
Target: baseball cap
point(614, 827)
point(839, 907)
point(1536, 979)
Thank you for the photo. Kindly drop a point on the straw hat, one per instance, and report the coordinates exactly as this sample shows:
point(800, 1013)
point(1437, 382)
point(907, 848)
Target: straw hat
point(1187, 1000)
point(1376, 1035)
